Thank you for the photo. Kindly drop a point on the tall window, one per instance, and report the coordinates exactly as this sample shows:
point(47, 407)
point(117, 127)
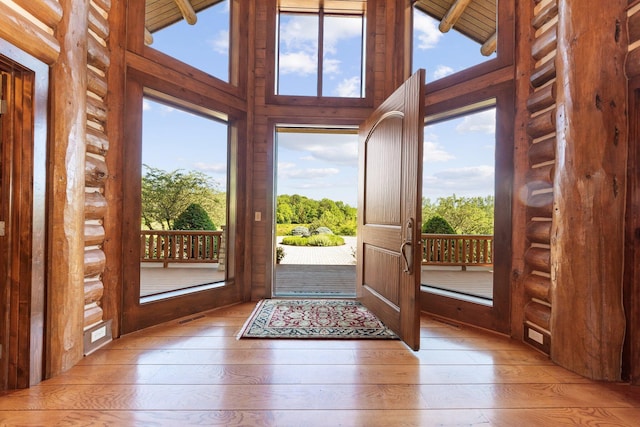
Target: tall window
point(201, 40)
point(320, 54)
point(184, 199)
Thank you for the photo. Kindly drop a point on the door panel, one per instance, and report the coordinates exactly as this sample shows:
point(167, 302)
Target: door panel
point(389, 210)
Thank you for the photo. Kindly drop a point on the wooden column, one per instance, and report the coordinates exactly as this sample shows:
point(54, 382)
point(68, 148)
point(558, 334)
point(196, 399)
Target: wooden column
point(587, 320)
point(66, 205)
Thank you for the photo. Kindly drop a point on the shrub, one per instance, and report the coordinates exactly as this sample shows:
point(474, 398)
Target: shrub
point(194, 217)
point(279, 254)
point(294, 241)
point(347, 229)
point(317, 240)
point(325, 240)
point(437, 225)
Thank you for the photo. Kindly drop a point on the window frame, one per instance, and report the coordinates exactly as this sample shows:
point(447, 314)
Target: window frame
point(496, 316)
point(142, 56)
point(366, 99)
point(505, 53)
point(140, 313)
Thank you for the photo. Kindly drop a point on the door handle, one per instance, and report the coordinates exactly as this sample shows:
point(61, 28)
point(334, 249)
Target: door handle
point(407, 242)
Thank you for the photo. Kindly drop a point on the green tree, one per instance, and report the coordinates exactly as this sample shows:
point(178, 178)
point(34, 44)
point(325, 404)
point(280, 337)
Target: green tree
point(194, 218)
point(165, 195)
point(437, 225)
point(467, 215)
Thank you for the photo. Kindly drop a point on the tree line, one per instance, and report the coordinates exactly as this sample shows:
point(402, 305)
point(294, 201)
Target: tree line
point(191, 200)
point(338, 216)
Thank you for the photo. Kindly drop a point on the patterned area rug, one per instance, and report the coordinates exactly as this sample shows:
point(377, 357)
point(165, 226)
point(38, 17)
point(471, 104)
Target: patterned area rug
point(316, 318)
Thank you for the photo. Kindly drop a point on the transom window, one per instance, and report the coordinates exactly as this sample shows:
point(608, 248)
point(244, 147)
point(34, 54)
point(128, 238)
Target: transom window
point(320, 54)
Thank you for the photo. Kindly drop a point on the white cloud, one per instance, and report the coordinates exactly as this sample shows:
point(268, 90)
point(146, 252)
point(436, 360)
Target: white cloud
point(298, 62)
point(331, 66)
point(146, 105)
point(211, 167)
point(434, 152)
point(336, 149)
point(483, 122)
point(427, 32)
point(339, 29)
point(349, 88)
point(300, 33)
point(442, 71)
point(309, 173)
point(221, 43)
point(467, 181)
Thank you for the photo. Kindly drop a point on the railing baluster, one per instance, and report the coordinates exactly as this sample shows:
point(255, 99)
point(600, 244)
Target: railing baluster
point(180, 246)
point(457, 250)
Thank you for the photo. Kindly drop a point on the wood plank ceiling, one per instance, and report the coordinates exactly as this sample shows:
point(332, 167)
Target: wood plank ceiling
point(475, 19)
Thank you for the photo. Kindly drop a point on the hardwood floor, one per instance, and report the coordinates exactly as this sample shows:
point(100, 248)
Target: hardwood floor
point(195, 372)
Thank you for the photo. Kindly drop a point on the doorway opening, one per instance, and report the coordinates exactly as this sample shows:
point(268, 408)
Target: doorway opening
point(24, 86)
point(315, 211)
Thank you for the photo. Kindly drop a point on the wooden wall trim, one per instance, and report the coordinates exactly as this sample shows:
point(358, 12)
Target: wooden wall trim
point(587, 320)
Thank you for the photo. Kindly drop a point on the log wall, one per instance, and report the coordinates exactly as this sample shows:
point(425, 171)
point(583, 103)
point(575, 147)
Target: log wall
point(541, 106)
point(96, 172)
point(38, 28)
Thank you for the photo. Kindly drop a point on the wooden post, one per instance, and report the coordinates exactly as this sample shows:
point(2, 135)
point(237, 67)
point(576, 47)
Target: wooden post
point(587, 320)
point(66, 206)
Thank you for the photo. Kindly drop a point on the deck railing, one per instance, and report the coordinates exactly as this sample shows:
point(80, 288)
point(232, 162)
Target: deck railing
point(457, 250)
point(180, 246)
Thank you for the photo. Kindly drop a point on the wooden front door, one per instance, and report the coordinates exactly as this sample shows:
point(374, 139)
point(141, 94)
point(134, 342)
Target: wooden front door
point(389, 210)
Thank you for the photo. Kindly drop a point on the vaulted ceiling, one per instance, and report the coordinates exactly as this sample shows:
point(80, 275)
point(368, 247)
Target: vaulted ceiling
point(475, 19)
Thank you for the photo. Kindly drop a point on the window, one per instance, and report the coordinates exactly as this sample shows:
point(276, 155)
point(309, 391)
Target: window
point(443, 46)
point(458, 198)
point(200, 40)
point(184, 199)
point(320, 54)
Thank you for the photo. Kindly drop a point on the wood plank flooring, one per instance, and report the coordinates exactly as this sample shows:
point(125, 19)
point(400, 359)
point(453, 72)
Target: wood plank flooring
point(195, 372)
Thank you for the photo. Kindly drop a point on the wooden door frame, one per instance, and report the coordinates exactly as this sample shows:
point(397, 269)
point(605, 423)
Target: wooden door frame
point(497, 316)
point(23, 350)
point(631, 295)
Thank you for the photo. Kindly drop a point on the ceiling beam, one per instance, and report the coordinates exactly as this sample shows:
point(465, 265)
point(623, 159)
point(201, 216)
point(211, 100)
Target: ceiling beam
point(453, 14)
point(187, 11)
point(490, 45)
point(148, 37)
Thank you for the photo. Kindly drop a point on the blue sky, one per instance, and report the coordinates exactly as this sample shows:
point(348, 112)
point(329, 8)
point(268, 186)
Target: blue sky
point(459, 154)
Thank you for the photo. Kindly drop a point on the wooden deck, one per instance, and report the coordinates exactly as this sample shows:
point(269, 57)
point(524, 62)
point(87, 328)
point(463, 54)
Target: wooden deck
point(195, 372)
point(155, 280)
point(316, 280)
